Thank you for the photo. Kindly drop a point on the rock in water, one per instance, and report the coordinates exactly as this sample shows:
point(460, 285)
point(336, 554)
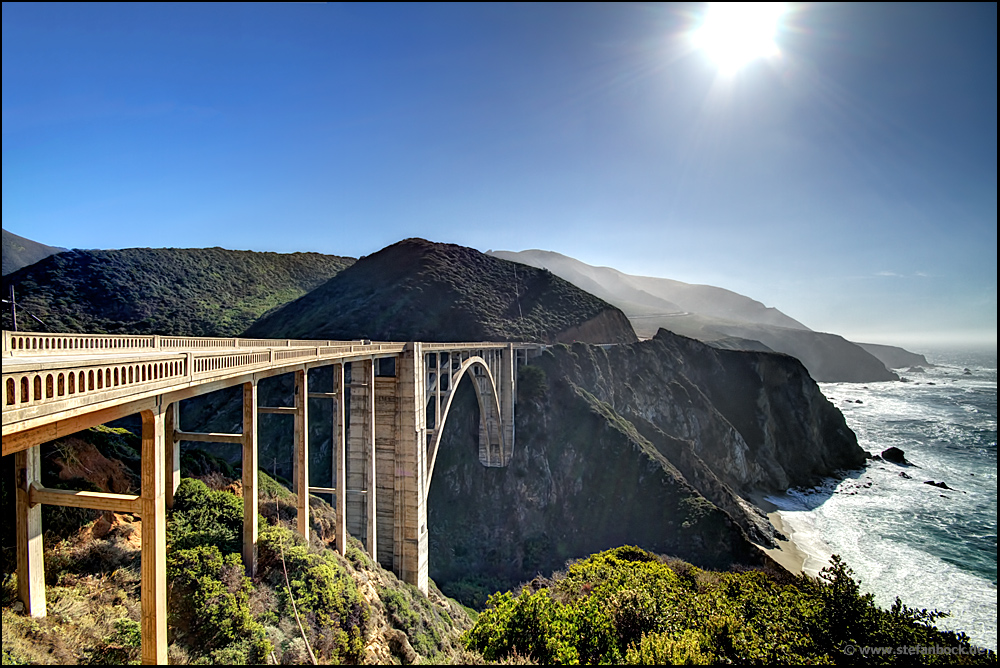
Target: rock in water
point(894, 455)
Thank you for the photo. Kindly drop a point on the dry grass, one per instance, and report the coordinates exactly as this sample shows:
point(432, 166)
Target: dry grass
point(81, 621)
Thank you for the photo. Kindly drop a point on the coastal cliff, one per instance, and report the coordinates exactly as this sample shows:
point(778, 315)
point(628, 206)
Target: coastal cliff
point(657, 443)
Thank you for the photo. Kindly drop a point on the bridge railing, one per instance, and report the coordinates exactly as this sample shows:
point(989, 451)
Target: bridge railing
point(477, 345)
point(47, 374)
point(80, 370)
point(36, 344)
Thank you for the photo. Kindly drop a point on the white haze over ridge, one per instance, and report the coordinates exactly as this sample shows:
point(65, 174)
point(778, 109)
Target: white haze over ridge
point(861, 309)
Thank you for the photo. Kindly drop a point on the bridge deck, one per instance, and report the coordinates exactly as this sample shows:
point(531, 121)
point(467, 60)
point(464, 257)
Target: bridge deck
point(53, 378)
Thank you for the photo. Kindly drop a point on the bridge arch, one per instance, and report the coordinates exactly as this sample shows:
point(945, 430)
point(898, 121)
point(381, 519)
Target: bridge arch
point(493, 451)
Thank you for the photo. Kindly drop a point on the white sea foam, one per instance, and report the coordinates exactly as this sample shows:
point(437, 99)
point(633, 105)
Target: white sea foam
point(934, 548)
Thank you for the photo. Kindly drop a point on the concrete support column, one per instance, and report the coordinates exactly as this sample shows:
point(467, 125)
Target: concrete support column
point(30, 563)
point(154, 538)
point(250, 478)
point(173, 451)
point(361, 514)
point(437, 391)
point(340, 457)
point(507, 393)
point(411, 466)
point(354, 510)
point(301, 456)
point(386, 429)
point(371, 470)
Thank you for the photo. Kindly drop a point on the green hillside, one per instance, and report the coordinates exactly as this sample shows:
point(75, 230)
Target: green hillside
point(182, 292)
point(20, 252)
point(417, 290)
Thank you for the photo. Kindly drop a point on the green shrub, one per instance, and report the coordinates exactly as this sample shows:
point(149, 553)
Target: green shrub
point(197, 462)
point(208, 604)
point(532, 383)
point(627, 604)
point(326, 596)
point(531, 624)
point(425, 625)
point(204, 517)
point(269, 487)
point(691, 648)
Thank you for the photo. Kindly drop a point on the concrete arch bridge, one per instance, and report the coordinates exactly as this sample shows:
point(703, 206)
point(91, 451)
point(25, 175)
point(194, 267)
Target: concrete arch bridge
point(397, 397)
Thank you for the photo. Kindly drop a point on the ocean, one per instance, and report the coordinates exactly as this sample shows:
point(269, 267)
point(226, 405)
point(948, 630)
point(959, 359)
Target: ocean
point(935, 548)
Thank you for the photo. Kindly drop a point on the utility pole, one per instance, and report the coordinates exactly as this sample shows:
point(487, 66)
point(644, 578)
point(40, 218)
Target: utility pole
point(13, 311)
point(13, 307)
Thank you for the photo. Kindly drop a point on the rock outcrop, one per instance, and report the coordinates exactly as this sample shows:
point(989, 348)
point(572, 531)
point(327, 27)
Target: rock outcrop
point(894, 455)
point(894, 357)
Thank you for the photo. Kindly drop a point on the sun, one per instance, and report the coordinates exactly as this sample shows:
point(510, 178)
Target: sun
point(735, 33)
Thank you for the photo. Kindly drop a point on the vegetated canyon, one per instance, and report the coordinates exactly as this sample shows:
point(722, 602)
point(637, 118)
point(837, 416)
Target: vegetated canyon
point(662, 443)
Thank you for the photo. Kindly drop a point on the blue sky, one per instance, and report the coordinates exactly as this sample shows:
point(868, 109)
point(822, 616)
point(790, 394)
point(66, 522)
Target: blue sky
point(850, 182)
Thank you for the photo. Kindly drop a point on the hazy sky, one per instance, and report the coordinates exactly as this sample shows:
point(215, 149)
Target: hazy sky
point(850, 181)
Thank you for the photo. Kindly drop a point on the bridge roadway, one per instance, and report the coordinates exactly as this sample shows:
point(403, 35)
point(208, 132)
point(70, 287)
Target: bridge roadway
point(58, 384)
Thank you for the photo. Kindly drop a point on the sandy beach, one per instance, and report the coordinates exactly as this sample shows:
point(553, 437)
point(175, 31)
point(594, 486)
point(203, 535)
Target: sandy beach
point(787, 553)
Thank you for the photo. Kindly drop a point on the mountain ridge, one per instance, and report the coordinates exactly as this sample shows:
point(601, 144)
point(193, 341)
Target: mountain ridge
point(174, 291)
point(20, 252)
point(718, 317)
point(418, 290)
point(610, 282)
point(661, 443)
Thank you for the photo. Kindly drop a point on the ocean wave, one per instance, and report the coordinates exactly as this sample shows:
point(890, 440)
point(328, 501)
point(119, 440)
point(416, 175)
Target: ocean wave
point(935, 548)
